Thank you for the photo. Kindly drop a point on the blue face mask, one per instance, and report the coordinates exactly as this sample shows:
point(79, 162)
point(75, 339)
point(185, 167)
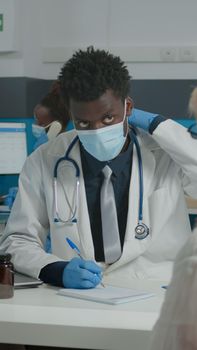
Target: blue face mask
point(38, 131)
point(105, 143)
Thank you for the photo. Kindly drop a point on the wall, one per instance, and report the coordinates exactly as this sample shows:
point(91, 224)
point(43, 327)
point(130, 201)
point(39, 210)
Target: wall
point(137, 29)
point(47, 32)
point(19, 95)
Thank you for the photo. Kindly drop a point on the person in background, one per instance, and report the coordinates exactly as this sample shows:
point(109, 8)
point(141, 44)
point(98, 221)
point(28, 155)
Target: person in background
point(176, 328)
point(51, 118)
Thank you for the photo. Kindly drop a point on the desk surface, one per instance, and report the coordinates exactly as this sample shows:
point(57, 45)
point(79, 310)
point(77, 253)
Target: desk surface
point(39, 316)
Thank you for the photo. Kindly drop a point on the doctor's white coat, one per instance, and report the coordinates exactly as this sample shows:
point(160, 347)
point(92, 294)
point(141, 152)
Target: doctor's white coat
point(169, 158)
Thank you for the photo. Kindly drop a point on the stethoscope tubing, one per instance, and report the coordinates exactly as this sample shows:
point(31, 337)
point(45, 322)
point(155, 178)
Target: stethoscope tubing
point(67, 158)
point(141, 186)
point(77, 174)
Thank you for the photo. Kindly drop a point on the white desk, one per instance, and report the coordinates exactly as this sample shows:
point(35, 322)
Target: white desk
point(41, 317)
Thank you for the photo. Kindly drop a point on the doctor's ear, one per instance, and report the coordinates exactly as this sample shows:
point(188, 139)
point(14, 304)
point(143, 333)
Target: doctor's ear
point(129, 106)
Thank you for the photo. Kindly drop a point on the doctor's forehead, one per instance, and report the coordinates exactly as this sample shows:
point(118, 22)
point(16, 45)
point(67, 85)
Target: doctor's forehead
point(90, 110)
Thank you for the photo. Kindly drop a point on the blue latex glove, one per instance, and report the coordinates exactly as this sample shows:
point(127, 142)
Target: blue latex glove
point(141, 119)
point(81, 274)
point(69, 126)
point(193, 130)
point(9, 200)
point(42, 139)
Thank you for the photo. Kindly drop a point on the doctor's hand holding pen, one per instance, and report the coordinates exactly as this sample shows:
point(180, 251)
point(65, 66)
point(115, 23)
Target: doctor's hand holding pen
point(80, 273)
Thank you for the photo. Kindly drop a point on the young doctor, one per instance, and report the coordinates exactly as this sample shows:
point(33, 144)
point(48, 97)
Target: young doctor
point(64, 187)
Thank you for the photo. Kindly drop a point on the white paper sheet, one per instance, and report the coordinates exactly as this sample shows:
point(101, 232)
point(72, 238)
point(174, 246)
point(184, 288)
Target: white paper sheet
point(108, 295)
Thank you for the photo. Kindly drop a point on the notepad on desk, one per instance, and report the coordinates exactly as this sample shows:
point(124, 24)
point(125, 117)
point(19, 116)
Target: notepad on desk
point(108, 295)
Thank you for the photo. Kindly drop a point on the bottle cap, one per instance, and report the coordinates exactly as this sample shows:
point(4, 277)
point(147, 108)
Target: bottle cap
point(5, 257)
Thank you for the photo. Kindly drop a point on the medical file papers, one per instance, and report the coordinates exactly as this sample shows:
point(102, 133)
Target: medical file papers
point(108, 295)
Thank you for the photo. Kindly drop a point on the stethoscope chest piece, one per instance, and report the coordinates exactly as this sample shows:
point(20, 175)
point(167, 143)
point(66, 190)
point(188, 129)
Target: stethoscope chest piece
point(141, 231)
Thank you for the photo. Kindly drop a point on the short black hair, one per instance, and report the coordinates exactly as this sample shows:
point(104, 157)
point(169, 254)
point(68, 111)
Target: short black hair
point(90, 73)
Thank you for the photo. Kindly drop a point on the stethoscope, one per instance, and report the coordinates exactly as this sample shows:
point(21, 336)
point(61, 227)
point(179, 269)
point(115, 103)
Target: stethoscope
point(141, 230)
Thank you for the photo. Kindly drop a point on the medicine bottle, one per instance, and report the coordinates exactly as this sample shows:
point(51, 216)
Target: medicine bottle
point(6, 276)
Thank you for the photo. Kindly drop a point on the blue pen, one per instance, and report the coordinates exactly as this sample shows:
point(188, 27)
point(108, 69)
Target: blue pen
point(76, 249)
